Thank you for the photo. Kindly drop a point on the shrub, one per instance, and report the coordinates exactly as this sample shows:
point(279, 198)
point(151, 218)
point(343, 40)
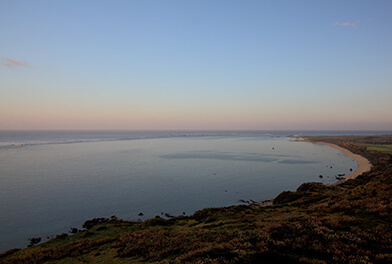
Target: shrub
point(287, 197)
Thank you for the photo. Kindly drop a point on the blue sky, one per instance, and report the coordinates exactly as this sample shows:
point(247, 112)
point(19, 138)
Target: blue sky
point(195, 64)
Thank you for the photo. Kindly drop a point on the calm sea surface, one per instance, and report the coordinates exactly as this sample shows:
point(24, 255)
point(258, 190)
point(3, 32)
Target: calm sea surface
point(52, 180)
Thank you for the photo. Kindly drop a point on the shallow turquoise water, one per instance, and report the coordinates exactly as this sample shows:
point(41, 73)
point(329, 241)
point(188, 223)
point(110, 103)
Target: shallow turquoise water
point(47, 188)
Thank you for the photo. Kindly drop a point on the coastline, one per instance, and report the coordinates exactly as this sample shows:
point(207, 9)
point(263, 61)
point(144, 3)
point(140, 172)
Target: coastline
point(364, 164)
point(329, 209)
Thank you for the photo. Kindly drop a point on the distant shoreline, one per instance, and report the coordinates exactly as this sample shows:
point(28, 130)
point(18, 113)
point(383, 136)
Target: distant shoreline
point(364, 164)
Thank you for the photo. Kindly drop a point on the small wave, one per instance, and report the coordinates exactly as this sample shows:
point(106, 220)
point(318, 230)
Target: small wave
point(17, 145)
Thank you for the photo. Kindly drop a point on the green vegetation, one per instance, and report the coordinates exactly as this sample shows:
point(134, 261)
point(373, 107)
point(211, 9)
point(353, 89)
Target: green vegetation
point(346, 223)
point(376, 143)
point(386, 148)
point(381, 140)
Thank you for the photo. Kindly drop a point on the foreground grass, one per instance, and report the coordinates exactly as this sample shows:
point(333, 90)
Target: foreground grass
point(347, 223)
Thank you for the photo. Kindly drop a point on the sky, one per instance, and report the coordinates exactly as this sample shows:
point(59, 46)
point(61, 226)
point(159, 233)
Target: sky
point(207, 64)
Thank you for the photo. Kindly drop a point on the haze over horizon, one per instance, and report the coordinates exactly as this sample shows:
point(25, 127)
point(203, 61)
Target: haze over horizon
point(257, 65)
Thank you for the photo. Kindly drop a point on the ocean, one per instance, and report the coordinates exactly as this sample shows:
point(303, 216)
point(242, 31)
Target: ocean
point(51, 181)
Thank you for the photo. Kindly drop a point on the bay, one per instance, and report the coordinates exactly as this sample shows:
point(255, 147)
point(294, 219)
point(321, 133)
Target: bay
point(52, 180)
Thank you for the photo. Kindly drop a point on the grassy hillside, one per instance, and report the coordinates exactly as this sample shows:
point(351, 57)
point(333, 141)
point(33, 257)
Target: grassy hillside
point(346, 223)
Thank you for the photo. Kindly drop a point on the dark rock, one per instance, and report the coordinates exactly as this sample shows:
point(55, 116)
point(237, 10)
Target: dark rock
point(168, 215)
point(243, 201)
point(95, 221)
point(73, 230)
point(34, 241)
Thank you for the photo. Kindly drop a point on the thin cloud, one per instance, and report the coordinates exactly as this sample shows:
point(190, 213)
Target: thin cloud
point(13, 63)
point(348, 24)
point(345, 24)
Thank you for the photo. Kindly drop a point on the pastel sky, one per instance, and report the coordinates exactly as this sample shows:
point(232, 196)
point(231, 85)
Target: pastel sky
point(205, 64)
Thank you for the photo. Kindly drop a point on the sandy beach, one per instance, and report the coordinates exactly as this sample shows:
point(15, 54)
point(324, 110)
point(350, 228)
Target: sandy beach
point(364, 164)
